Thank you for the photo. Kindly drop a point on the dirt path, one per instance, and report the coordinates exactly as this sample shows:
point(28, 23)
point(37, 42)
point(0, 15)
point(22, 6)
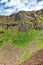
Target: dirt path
point(12, 56)
point(40, 35)
point(37, 58)
point(34, 44)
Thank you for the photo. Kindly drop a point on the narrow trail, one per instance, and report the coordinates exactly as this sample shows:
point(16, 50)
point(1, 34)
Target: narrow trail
point(12, 56)
point(33, 44)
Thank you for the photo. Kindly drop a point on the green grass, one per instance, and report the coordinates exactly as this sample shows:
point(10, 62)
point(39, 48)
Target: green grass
point(1, 44)
point(20, 39)
point(26, 55)
point(6, 37)
point(40, 20)
point(1, 54)
point(40, 45)
point(40, 39)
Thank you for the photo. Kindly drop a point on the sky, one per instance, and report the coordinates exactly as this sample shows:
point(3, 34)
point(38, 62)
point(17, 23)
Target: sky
point(8, 7)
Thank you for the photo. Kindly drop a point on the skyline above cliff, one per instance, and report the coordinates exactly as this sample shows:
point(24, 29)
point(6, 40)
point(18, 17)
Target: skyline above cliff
point(8, 7)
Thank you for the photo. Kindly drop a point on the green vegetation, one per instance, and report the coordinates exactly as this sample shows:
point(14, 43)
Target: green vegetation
point(20, 39)
point(40, 20)
point(1, 44)
point(40, 45)
point(40, 39)
point(6, 37)
point(26, 55)
point(1, 54)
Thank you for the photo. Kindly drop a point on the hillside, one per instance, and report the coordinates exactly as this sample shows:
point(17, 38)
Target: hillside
point(23, 20)
point(21, 38)
point(23, 15)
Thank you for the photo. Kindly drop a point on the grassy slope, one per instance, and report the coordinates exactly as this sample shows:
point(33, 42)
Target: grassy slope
point(38, 47)
point(20, 39)
point(40, 39)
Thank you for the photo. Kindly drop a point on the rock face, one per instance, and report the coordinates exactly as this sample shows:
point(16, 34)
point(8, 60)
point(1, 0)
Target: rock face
point(11, 18)
point(30, 16)
point(31, 19)
point(35, 59)
point(24, 20)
